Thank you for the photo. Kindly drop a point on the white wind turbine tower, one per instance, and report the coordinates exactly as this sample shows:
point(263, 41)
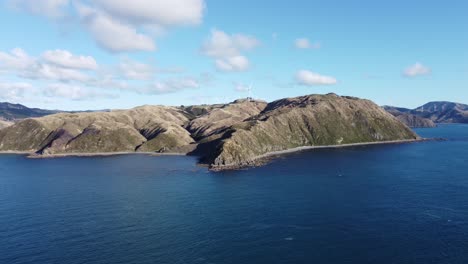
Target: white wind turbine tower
point(249, 91)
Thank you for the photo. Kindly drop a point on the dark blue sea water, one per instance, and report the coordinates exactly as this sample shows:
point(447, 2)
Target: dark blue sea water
point(403, 203)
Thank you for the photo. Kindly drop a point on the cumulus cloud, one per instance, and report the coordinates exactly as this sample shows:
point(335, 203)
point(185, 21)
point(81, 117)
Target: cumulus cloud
point(171, 86)
point(62, 74)
point(304, 43)
point(20, 63)
point(74, 92)
point(227, 50)
point(52, 72)
point(16, 59)
point(417, 69)
point(112, 34)
point(231, 64)
point(14, 91)
point(121, 25)
point(309, 78)
point(134, 70)
point(66, 59)
point(155, 12)
point(49, 8)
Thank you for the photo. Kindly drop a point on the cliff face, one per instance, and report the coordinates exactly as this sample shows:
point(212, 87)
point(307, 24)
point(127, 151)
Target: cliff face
point(316, 120)
point(147, 128)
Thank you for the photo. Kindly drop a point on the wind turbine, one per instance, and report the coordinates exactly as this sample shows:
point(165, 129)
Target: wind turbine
point(249, 90)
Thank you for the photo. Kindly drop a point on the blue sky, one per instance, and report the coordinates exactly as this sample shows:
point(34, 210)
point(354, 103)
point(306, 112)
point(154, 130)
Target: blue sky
point(66, 54)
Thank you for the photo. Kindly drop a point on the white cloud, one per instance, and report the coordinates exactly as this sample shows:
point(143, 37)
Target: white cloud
point(227, 50)
point(20, 63)
point(73, 92)
point(134, 70)
point(66, 59)
point(17, 59)
point(14, 91)
point(304, 43)
point(61, 74)
point(49, 8)
point(309, 78)
point(112, 34)
point(159, 12)
point(231, 64)
point(417, 69)
point(171, 86)
point(52, 72)
point(121, 25)
point(240, 87)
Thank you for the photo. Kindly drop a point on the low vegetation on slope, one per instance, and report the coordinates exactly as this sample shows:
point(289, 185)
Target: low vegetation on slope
point(4, 123)
point(316, 120)
point(224, 136)
point(221, 118)
point(147, 128)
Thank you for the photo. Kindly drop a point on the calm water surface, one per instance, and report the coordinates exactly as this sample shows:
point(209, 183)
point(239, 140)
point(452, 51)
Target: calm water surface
point(378, 204)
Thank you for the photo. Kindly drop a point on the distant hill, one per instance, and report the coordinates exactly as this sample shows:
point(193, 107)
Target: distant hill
point(396, 111)
point(405, 116)
point(443, 112)
point(11, 112)
point(437, 112)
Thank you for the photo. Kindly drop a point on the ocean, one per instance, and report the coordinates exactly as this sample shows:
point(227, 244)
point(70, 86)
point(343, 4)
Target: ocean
point(401, 203)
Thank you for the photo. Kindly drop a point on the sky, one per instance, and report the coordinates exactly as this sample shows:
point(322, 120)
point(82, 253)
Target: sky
point(115, 54)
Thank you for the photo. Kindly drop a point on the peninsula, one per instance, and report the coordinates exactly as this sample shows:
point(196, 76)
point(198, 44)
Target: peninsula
point(224, 136)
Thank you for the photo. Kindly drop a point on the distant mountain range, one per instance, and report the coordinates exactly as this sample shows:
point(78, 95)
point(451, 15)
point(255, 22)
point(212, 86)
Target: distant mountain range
point(10, 112)
point(436, 112)
point(13, 112)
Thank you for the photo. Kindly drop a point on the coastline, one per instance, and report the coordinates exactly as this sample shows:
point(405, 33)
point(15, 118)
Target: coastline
point(11, 152)
point(254, 162)
point(98, 154)
point(262, 159)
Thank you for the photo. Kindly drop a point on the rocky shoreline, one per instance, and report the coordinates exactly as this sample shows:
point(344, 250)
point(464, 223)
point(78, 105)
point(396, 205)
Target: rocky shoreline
point(265, 158)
